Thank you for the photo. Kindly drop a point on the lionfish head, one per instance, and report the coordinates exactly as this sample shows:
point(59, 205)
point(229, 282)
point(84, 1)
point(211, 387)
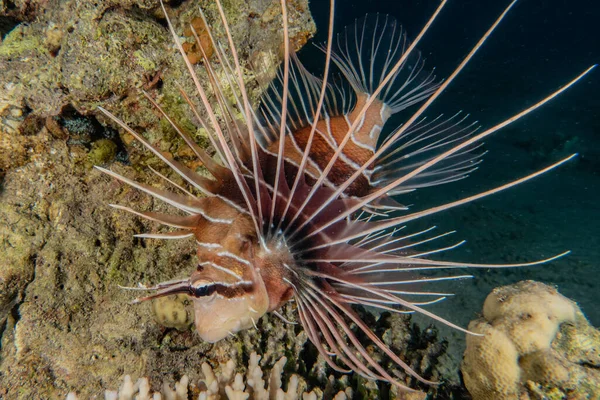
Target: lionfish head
point(301, 205)
point(239, 276)
point(237, 280)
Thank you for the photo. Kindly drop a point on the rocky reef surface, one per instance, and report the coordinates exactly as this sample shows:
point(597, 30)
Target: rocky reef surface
point(64, 322)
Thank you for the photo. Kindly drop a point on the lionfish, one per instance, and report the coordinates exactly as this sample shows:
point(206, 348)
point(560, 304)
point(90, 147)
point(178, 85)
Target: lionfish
point(301, 206)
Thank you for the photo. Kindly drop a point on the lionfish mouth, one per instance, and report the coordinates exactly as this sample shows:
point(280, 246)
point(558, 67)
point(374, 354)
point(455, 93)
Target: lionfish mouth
point(300, 204)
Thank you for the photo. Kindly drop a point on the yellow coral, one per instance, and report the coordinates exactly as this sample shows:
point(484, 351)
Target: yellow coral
point(172, 312)
point(529, 312)
point(494, 351)
point(544, 366)
point(519, 347)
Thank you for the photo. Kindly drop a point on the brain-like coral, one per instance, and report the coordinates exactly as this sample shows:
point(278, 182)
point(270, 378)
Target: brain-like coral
point(533, 343)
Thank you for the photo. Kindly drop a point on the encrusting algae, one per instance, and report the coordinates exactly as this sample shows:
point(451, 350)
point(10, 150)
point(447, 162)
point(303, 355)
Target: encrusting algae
point(196, 49)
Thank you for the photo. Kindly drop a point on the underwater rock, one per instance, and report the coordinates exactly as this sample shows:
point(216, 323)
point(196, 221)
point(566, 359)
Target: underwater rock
point(64, 323)
point(536, 344)
point(103, 53)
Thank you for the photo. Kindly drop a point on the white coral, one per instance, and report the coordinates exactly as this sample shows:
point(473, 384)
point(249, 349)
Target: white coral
point(223, 385)
point(141, 391)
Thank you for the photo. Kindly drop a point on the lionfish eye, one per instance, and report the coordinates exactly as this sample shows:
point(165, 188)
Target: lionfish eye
point(201, 289)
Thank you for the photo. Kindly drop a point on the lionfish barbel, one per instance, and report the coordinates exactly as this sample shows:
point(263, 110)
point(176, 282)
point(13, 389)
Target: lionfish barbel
point(300, 205)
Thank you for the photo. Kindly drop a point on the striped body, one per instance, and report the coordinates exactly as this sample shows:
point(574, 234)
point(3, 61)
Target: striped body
point(330, 133)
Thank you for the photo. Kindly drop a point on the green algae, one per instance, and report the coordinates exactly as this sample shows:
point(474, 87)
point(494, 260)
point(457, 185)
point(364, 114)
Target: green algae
point(146, 63)
point(20, 41)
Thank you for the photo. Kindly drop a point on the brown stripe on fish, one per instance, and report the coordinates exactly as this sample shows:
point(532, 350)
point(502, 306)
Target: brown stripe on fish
point(321, 151)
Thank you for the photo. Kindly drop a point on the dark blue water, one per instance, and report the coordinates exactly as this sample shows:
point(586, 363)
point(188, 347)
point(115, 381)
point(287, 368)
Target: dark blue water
point(537, 48)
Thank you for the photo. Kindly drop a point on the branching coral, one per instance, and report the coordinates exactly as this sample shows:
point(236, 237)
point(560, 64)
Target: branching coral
point(233, 387)
point(140, 390)
point(225, 384)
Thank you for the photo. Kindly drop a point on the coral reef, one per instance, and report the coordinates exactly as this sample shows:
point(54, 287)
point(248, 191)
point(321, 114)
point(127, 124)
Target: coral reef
point(228, 385)
point(535, 344)
point(140, 390)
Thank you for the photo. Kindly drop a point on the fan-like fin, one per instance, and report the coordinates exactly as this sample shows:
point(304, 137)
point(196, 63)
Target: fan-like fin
point(368, 50)
point(423, 142)
point(303, 98)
